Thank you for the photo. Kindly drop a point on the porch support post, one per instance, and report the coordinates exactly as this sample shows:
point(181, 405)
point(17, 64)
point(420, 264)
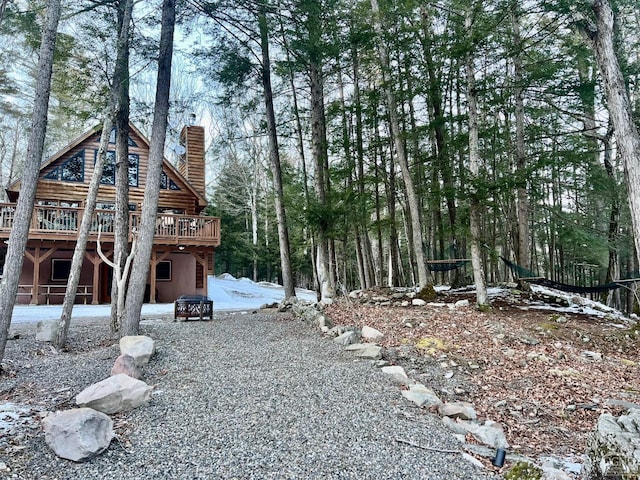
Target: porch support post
point(155, 259)
point(201, 258)
point(152, 276)
point(96, 261)
point(35, 288)
point(37, 258)
point(36, 274)
point(205, 269)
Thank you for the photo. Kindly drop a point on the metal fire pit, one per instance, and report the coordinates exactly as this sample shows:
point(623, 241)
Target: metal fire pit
point(193, 306)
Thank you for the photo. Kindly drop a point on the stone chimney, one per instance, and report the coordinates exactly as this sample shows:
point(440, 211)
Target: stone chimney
point(191, 163)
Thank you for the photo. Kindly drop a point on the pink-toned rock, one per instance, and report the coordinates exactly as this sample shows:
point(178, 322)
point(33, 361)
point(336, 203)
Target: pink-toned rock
point(126, 364)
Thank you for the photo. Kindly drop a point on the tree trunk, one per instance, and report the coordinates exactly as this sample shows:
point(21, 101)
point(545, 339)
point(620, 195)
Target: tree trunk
point(14, 157)
point(613, 269)
point(3, 7)
point(274, 157)
point(522, 194)
point(24, 209)
point(121, 76)
point(364, 241)
point(83, 235)
point(424, 278)
point(475, 225)
point(253, 210)
point(439, 122)
point(626, 131)
point(299, 135)
point(319, 148)
point(378, 167)
point(394, 253)
point(146, 232)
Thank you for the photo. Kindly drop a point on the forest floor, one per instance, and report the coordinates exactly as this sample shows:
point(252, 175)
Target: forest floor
point(544, 372)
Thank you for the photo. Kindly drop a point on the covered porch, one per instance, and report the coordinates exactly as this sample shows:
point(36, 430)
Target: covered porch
point(182, 255)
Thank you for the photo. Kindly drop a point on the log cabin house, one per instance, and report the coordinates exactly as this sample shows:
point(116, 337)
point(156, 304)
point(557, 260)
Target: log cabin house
point(185, 239)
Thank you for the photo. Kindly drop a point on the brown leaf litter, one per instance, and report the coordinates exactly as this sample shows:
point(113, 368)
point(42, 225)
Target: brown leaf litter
point(545, 376)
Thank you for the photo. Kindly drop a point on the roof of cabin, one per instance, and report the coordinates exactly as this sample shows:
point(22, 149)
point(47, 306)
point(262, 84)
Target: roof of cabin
point(14, 187)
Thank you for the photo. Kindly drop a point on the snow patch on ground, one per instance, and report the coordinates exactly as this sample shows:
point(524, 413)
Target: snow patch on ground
point(227, 293)
point(577, 304)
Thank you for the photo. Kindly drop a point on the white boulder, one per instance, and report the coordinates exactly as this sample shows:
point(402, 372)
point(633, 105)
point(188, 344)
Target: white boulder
point(370, 333)
point(115, 394)
point(366, 350)
point(78, 434)
point(421, 395)
point(462, 410)
point(46, 330)
point(139, 347)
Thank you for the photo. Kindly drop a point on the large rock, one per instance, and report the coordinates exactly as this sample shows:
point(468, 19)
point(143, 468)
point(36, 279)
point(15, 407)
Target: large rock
point(491, 433)
point(366, 350)
point(346, 338)
point(421, 395)
point(456, 427)
point(139, 347)
point(78, 434)
point(550, 473)
point(46, 330)
point(370, 333)
point(323, 323)
point(339, 330)
point(380, 299)
point(593, 356)
point(462, 410)
point(613, 450)
point(126, 364)
point(398, 374)
point(114, 394)
point(461, 303)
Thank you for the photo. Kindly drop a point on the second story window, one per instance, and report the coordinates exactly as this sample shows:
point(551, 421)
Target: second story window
point(71, 170)
point(134, 164)
point(109, 170)
point(112, 138)
point(167, 183)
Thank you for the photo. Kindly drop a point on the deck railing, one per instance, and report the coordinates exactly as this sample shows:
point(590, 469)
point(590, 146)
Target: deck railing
point(54, 222)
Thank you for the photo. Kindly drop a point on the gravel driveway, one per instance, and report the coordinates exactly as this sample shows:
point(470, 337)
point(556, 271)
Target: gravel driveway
point(243, 396)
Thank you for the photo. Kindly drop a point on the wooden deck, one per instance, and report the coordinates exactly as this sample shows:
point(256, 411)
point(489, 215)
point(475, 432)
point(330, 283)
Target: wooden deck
point(62, 223)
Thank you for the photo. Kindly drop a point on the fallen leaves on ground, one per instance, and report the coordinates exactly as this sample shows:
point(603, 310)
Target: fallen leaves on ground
point(545, 378)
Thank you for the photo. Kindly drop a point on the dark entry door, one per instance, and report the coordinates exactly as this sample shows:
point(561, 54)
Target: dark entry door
point(106, 277)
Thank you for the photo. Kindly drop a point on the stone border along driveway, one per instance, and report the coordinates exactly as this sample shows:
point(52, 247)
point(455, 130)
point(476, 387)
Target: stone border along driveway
point(253, 396)
point(459, 416)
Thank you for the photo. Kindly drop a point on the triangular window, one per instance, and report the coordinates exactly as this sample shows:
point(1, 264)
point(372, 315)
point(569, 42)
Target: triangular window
point(53, 174)
point(112, 138)
point(71, 170)
point(167, 183)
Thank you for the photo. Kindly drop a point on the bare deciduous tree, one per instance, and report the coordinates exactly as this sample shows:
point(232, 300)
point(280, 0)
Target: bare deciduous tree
point(120, 79)
point(601, 39)
point(24, 209)
point(274, 157)
point(424, 277)
point(147, 227)
point(475, 221)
